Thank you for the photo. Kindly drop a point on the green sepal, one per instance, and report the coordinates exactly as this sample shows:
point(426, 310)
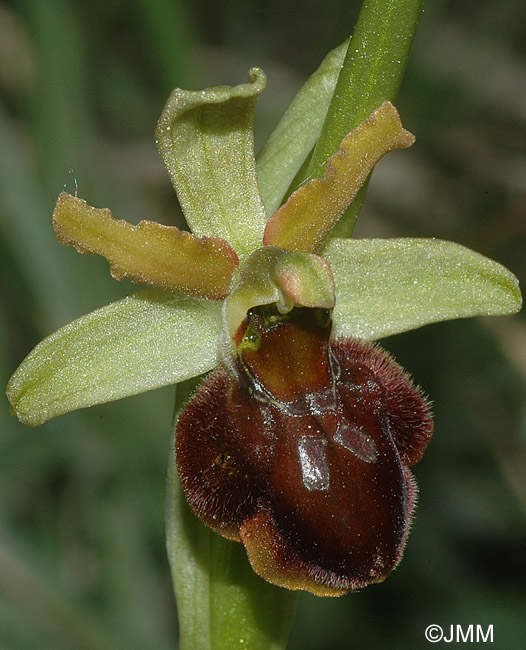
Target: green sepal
point(206, 142)
point(388, 286)
point(147, 340)
point(298, 130)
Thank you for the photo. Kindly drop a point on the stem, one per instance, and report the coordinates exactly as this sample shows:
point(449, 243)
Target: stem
point(221, 602)
point(372, 73)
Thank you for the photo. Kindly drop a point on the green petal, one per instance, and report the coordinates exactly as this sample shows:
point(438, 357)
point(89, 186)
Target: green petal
point(298, 130)
point(206, 141)
point(144, 341)
point(387, 286)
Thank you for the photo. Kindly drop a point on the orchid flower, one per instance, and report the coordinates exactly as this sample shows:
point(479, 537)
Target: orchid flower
point(299, 442)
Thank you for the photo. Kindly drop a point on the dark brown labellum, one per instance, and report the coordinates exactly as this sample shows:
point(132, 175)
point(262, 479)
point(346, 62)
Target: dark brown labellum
point(301, 451)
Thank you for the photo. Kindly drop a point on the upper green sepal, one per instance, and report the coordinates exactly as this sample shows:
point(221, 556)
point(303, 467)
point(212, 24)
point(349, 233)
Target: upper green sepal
point(388, 286)
point(147, 340)
point(206, 142)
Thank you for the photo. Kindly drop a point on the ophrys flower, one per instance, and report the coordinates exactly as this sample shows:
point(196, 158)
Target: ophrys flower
point(299, 443)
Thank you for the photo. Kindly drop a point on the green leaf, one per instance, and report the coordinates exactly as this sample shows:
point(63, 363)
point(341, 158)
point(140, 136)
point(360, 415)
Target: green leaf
point(206, 141)
point(298, 130)
point(149, 339)
point(387, 286)
point(221, 602)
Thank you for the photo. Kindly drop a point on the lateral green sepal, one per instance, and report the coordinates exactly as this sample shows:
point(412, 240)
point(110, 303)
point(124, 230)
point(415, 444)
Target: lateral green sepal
point(388, 286)
point(147, 340)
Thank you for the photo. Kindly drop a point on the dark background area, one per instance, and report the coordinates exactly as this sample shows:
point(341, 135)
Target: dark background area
point(82, 560)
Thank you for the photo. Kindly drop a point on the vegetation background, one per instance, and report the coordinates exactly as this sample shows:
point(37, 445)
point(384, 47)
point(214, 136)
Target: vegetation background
point(82, 561)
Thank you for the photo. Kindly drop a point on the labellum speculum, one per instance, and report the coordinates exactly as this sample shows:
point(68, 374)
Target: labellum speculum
point(299, 446)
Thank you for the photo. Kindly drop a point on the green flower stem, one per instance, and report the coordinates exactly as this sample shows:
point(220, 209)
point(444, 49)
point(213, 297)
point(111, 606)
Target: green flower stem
point(372, 73)
point(221, 602)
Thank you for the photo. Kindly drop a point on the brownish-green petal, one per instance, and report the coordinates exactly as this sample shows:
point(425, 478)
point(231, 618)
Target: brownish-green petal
point(148, 253)
point(298, 130)
point(304, 222)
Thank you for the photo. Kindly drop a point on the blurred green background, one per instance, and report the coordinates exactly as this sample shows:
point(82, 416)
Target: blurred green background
point(82, 560)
